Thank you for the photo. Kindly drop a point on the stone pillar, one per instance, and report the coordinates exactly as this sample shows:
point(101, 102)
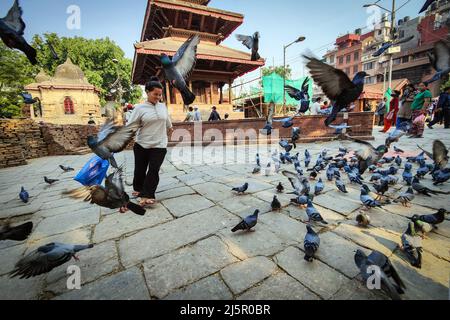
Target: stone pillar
point(229, 92)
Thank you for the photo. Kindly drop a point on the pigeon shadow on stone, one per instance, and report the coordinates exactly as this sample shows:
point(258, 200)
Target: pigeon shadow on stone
point(383, 241)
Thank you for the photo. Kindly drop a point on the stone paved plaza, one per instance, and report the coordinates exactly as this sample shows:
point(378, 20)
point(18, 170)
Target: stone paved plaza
point(183, 248)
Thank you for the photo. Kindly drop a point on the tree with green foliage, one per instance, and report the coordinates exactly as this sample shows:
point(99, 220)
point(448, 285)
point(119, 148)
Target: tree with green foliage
point(94, 56)
point(278, 70)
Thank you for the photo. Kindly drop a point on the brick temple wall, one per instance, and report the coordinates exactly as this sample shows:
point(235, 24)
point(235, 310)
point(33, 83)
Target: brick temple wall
point(25, 139)
point(20, 139)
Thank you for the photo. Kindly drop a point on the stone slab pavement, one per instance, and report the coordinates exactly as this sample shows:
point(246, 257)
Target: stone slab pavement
point(183, 248)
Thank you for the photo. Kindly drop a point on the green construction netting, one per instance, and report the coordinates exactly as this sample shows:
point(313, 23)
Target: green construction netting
point(389, 98)
point(273, 89)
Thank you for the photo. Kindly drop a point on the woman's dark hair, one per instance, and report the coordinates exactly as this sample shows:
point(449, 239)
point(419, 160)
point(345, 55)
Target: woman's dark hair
point(152, 84)
point(191, 109)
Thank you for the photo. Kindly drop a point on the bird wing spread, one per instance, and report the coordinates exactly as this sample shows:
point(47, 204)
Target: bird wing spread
point(332, 81)
point(186, 56)
point(295, 182)
point(118, 140)
point(442, 55)
point(440, 154)
point(14, 18)
point(246, 40)
point(293, 92)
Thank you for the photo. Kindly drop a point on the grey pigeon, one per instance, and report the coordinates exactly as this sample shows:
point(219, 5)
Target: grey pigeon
point(242, 189)
point(45, 259)
point(112, 139)
point(179, 68)
point(112, 196)
point(336, 85)
point(393, 290)
point(19, 233)
point(300, 185)
point(398, 150)
point(341, 186)
point(12, 29)
point(421, 189)
point(50, 181)
point(412, 246)
point(367, 200)
point(439, 155)
point(252, 43)
point(434, 219)
point(311, 244)
point(319, 187)
point(313, 213)
point(248, 223)
point(66, 169)
point(368, 155)
point(406, 198)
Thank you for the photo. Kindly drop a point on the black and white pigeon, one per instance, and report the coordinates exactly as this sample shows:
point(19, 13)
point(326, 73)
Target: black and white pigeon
point(440, 60)
point(46, 258)
point(386, 271)
point(178, 69)
point(311, 244)
point(439, 155)
point(241, 189)
point(248, 223)
point(412, 246)
point(275, 205)
point(368, 155)
point(18, 233)
point(112, 196)
point(50, 181)
point(66, 169)
point(405, 198)
point(336, 85)
point(300, 95)
point(252, 43)
point(112, 139)
point(12, 29)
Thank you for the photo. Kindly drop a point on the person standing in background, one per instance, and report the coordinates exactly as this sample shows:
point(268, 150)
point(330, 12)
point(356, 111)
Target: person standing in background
point(405, 112)
point(189, 115)
point(442, 112)
point(316, 107)
point(391, 118)
point(381, 110)
point(215, 116)
point(419, 109)
point(197, 114)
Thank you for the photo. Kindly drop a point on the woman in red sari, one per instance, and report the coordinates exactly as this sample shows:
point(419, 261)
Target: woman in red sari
point(391, 118)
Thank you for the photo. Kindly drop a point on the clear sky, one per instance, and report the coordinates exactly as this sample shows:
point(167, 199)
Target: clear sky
point(279, 22)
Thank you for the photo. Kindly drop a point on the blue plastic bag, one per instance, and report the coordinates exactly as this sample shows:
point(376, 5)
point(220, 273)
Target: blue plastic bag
point(94, 172)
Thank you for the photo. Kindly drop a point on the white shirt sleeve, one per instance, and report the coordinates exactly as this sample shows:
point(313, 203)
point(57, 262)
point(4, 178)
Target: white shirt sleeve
point(168, 121)
point(135, 116)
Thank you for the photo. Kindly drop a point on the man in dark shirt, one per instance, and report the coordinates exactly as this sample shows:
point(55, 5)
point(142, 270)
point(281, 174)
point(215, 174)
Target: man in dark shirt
point(442, 110)
point(215, 116)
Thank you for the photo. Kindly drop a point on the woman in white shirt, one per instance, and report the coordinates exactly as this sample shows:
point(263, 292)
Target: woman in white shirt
point(316, 108)
point(152, 139)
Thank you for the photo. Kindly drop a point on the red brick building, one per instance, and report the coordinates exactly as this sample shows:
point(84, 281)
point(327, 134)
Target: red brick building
point(349, 51)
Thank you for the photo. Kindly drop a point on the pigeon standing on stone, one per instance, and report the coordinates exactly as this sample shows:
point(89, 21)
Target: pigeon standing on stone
point(336, 85)
point(268, 169)
point(66, 169)
point(112, 139)
point(398, 150)
point(280, 188)
point(381, 188)
point(407, 174)
point(276, 205)
point(376, 259)
point(12, 29)
point(178, 69)
point(313, 213)
point(421, 189)
point(398, 161)
point(242, 189)
point(45, 259)
point(19, 233)
point(252, 43)
point(406, 198)
point(363, 220)
point(412, 246)
point(341, 186)
point(50, 181)
point(441, 176)
point(320, 186)
point(307, 158)
point(311, 244)
point(24, 196)
point(367, 200)
point(248, 223)
point(434, 219)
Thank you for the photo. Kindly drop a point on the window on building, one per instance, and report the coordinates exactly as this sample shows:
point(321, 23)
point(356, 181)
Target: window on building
point(347, 71)
point(331, 59)
point(368, 66)
point(397, 61)
point(341, 60)
point(355, 69)
point(68, 106)
point(348, 58)
point(405, 59)
point(401, 34)
point(369, 80)
point(356, 56)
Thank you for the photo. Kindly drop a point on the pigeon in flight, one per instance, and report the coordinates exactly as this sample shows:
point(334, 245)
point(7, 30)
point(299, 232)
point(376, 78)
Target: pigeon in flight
point(439, 155)
point(179, 68)
point(368, 155)
point(398, 150)
point(311, 244)
point(24, 196)
point(426, 5)
point(112, 139)
point(46, 258)
point(295, 136)
point(286, 122)
point(397, 134)
point(385, 46)
point(52, 50)
point(19, 233)
point(248, 223)
point(300, 184)
point(440, 61)
point(336, 85)
point(300, 95)
point(340, 128)
point(112, 196)
point(252, 43)
point(12, 29)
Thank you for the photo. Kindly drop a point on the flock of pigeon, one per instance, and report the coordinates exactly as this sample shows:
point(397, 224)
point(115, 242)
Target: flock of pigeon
point(354, 165)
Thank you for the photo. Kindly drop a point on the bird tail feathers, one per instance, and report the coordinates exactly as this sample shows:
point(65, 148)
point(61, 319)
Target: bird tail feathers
point(137, 209)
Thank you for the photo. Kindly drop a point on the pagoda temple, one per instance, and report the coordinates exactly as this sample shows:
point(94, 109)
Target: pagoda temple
point(167, 25)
